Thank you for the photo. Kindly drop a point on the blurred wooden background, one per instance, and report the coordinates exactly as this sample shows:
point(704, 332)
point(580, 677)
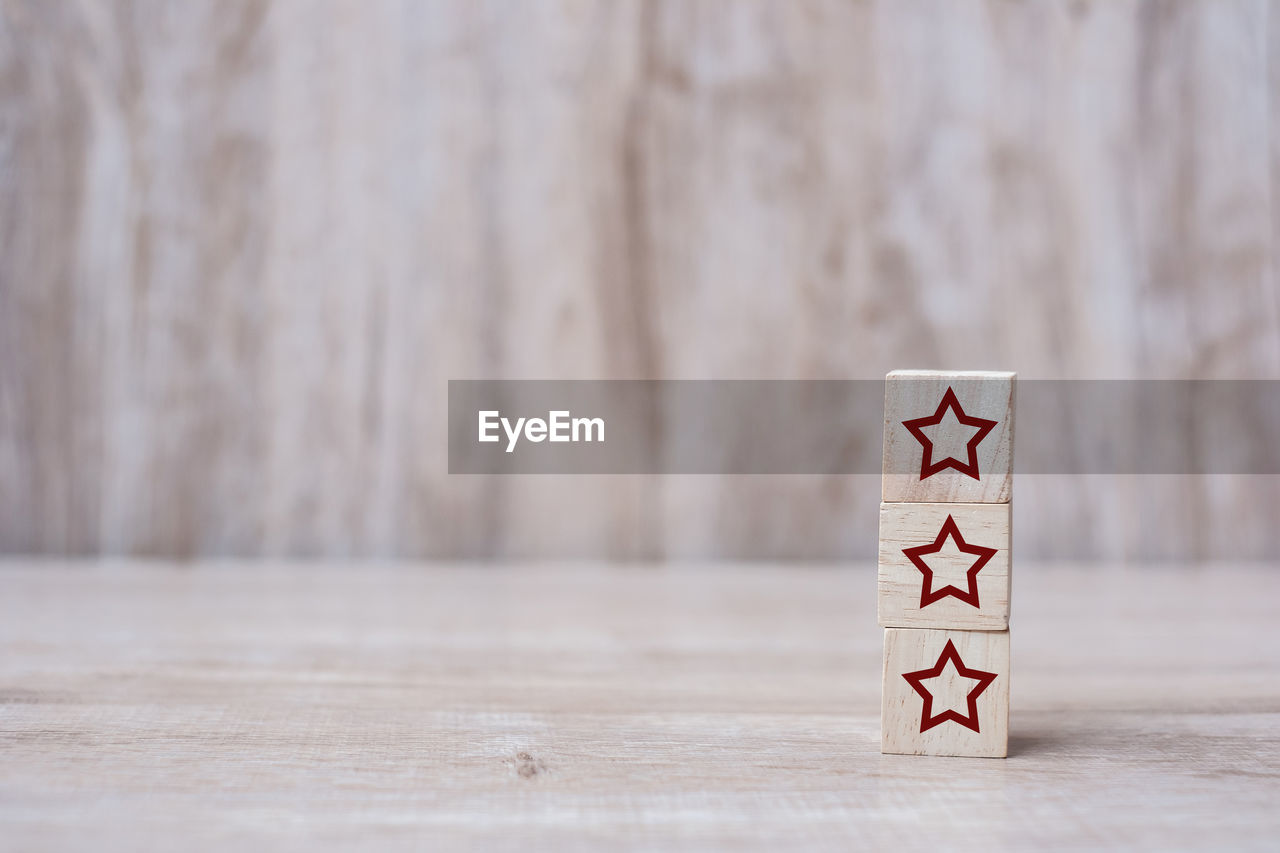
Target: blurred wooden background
point(243, 245)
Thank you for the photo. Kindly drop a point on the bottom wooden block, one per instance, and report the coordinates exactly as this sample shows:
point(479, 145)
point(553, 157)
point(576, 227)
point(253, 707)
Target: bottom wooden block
point(945, 693)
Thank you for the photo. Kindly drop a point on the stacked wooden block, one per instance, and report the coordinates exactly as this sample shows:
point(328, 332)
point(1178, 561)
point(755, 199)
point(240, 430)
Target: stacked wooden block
point(943, 593)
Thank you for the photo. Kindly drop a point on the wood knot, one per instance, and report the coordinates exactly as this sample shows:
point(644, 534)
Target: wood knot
point(527, 766)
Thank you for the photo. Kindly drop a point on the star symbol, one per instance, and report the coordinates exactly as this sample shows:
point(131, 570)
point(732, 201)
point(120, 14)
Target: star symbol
point(916, 427)
point(949, 656)
point(928, 595)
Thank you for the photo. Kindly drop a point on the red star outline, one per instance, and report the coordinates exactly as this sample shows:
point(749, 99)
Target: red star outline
point(984, 679)
point(927, 466)
point(928, 595)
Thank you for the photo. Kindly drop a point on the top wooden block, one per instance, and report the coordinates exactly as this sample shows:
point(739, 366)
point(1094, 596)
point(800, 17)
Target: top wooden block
point(948, 436)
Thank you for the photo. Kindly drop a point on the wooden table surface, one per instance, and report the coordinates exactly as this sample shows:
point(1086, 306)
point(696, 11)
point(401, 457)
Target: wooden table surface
point(307, 707)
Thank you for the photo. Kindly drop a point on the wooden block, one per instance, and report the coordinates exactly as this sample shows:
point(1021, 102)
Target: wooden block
point(944, 565)
point(948, 436)
point(945, 693)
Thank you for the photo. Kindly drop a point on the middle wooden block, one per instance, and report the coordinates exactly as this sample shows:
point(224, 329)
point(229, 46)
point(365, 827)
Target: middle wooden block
point(944, 565)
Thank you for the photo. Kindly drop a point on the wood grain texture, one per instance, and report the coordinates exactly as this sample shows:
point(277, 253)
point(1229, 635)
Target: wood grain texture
point(901, 583)
point(246, 243)
point(556, 707)
point(938, 464)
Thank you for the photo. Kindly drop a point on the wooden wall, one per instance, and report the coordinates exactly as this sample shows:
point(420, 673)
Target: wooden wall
point(244, 245)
